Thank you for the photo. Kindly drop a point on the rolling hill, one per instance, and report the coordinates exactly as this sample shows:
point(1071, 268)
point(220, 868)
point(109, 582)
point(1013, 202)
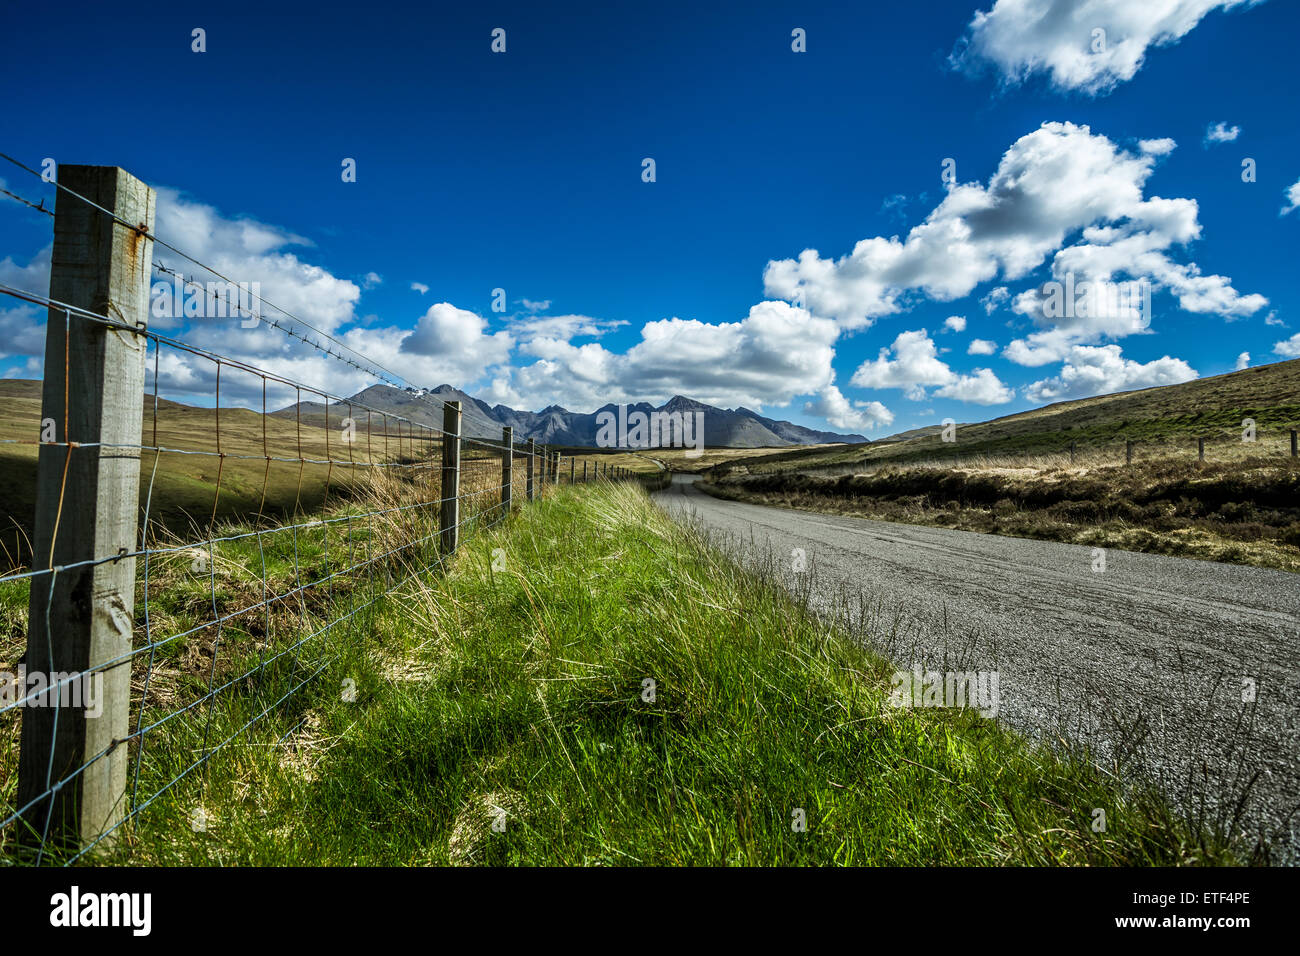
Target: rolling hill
point(1165, 417)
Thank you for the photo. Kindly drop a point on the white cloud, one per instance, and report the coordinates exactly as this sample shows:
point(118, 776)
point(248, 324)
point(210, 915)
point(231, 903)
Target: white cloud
point(912, 363)
point(956, 323)
point(981, 387)
point(995, 299)
point(371, 280)
point(32, 277)
point(1085, 45)
point(563, 327)
point(775, 353)
point(536, 306)
point(453, 345)
point(1157, 147)
point(1272, 319)
point(1221, 133)
point(22, 331)
point(1292, 198)
point(1058, 182)
point(1288, 348)
point(251, 251)
point(1099, 370)
point(1243, 361)
point(419, 287)
point(981, 347)
point(857, 416)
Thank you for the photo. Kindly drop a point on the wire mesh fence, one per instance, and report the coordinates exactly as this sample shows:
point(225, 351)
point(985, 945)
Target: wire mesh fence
point(176, 572)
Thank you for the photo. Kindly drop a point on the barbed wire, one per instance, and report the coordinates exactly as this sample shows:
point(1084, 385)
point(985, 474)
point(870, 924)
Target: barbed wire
point(39, 207)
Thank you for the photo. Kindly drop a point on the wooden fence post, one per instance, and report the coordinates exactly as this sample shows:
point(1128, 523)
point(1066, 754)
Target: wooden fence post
point(507, 468)
point(573, 464)
point(1200, 449)
point(87, 500)
point(1294, 448)
point(450, 510)
point(532, 457)
point(584, 472)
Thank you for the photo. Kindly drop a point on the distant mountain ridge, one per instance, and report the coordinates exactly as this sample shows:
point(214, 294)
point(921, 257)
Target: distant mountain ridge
point(555, 425)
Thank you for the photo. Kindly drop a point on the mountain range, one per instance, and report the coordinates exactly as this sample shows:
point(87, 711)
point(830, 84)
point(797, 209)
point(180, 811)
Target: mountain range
point(554, 425)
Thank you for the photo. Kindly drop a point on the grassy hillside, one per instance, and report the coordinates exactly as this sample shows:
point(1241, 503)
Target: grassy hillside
point(514, 690)
point(1164, 421)
point(191, 483)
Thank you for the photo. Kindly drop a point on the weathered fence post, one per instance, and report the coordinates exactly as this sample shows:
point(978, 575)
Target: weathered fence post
point(573, 464)
point(81, 614)
point(1200, 449)
point(532, 457)
point(507, 468)
point(450, 510)
point(584, 472)
point(1294, 448)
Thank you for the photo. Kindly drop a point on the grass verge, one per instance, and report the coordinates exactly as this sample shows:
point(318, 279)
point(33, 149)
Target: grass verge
point(502, 715)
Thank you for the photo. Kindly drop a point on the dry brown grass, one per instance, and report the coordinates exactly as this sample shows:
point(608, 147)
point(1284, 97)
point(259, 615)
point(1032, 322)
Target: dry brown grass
point(1244, 512)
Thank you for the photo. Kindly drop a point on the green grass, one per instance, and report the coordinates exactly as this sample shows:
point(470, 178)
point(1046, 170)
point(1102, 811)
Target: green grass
point(514, 688)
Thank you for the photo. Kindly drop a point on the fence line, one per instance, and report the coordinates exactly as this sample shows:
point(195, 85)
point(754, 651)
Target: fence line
point(180, 593)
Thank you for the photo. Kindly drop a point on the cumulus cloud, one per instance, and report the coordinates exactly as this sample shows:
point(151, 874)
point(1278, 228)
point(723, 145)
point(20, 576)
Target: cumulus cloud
point(252, 251)
point(1288, 348)
point(32, 277)
point(981, 387)
point(1086, 45)
point(1292, 198)
point(1243, 361)
point(22, 331)
point(454, 345)
point(1157, 147)
point(1221, 133)
point(856, 416)
point(1099, 370)
point(419, 287)
point(912, 363)
point(955, 323)
point(981, 347)
point(775, 353)
point(1057, 183)
point(995, 299)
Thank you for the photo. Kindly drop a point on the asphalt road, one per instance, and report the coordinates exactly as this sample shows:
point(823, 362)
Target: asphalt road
point(1147, 661)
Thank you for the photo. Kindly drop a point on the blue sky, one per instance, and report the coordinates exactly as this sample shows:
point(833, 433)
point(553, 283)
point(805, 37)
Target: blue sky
point(523, 171)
